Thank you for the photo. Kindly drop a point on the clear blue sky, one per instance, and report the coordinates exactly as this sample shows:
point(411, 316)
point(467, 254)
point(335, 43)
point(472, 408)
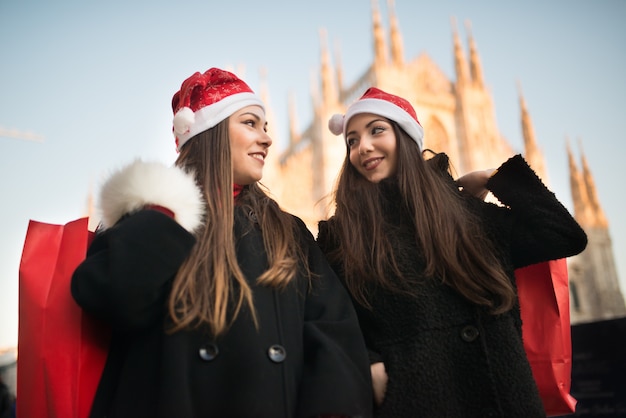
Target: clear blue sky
point(95, 80)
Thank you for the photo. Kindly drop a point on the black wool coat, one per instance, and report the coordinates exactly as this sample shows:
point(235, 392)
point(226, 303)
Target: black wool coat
point(444, 356)
point(307, 359)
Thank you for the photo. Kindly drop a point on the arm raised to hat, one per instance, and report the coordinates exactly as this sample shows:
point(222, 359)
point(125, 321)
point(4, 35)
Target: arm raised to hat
point(152, 185)
point(475, 183)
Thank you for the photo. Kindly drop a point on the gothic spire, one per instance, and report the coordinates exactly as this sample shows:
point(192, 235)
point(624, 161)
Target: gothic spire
point(293, 120)
point(397, 50)
point(328, 88)
point(460, 64)
point(380, 49)
point(314, 91)
point(338, 67)
point(532, 152)
point(599, 219)
point(579, 191)
point(476, 69)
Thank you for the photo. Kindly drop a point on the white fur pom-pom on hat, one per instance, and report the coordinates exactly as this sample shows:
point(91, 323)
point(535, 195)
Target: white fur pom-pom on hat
point(183, 120)
point(335, 124)
point(151, 183)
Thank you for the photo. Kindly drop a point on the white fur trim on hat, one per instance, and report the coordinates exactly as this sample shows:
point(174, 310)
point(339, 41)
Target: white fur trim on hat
point(383, 108)
point(141, 183)
point(186, 126)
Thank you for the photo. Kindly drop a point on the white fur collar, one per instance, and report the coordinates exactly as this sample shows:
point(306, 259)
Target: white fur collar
point(139, 183)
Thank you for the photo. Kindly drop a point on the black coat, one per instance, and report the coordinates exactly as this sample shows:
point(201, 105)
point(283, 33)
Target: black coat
point(446, 357)
point(308, 357)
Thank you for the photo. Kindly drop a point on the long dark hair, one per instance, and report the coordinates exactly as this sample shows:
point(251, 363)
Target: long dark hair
point(203, 290)
point(455, 247)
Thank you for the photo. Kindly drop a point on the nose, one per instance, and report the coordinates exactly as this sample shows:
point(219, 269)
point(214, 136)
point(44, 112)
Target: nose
point(266, 140)
point(365, 146)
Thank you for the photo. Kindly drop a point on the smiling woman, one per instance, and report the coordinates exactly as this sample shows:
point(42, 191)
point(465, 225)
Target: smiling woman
point(430, 267)
point(228, 291)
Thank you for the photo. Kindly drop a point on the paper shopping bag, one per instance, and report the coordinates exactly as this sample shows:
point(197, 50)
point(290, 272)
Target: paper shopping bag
point(543, 292)
point(61, 350)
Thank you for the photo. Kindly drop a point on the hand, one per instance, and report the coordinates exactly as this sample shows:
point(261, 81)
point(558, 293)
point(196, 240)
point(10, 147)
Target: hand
point(379, 381)
point(474, 183)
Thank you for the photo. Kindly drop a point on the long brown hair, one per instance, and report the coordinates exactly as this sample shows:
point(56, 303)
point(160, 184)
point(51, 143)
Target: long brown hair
point(204, 285)
point(455, 248)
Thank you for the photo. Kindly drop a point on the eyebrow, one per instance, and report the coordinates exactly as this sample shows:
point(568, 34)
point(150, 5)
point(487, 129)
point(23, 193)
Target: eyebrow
point(250, 113)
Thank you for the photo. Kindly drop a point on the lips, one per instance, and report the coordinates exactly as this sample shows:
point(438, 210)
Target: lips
point(372, 163)
point(258, 156)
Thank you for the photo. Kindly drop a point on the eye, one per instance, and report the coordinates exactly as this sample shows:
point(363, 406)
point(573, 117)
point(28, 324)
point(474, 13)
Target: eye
point(377, 129)
point(250, 122)
point(351, 142)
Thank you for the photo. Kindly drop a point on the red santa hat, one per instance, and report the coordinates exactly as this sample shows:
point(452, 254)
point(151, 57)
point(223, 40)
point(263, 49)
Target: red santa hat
point(392, 107)
point(204, 100)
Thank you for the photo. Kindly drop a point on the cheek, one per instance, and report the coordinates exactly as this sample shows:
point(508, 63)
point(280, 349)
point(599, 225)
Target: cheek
point(354, 157)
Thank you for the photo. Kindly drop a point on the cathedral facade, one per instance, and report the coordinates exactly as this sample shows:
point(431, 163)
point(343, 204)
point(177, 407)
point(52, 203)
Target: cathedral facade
point(458, 117)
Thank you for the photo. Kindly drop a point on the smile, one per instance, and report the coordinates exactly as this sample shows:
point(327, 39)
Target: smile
point(258, 156)
point(372, 163)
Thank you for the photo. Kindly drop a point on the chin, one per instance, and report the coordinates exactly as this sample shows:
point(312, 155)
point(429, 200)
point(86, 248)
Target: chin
point(249, 180)
point(374, 178)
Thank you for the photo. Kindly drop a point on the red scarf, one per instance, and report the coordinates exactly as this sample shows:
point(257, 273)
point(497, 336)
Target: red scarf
point(236, 190)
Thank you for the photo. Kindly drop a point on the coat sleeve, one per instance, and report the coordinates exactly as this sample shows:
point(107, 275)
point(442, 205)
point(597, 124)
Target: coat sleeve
point(537, 226)
point(127, 274)
point(336, 359)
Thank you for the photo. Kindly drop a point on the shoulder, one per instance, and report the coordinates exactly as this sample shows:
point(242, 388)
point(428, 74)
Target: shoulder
point(440, 165)
point(302, 229)
point(297, 220)
point(327, 237)
point(439, 162)
point(132, 187)
point(325, 224)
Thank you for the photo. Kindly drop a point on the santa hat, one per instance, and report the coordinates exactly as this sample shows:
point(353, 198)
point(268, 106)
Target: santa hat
point(204, 100)
point(392, 107)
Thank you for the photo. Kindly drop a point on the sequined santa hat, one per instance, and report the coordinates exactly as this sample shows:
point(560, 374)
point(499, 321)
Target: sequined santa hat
point(204, 100)
point(378, 102)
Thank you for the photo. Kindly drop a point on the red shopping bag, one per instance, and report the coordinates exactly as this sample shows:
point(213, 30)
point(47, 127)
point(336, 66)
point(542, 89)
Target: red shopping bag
point(544, 303)
point(61, 350)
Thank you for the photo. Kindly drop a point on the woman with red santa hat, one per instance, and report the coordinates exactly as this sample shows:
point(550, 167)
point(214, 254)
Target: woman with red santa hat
point(430, 267)
point(220, 303)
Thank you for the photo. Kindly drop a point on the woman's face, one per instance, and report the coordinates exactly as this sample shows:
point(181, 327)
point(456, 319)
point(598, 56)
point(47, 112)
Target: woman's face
point(249, 144)
point(372, 145)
